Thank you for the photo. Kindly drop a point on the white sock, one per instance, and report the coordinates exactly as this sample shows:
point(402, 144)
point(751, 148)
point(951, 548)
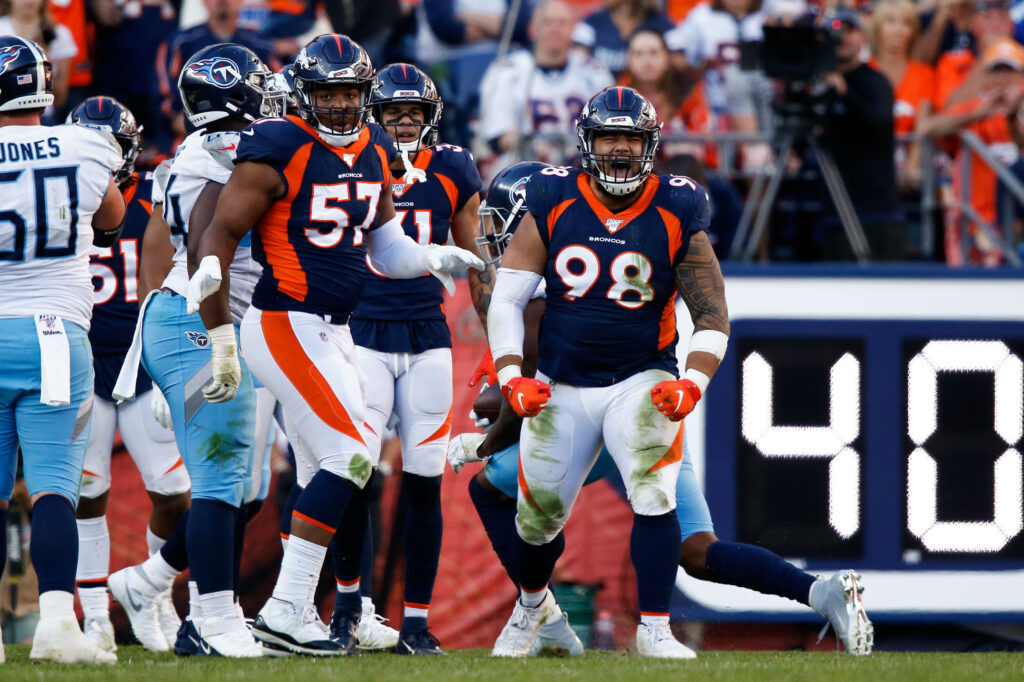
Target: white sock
point(816, 597)
point(417, 611)
point(218, 603)
point(300, 570)
point(57, 604)
point(153, 541)
point(652, 620)
point(532, 599)
point(93, 549)
point(95, 602)
point(195, 607)
point(160, 573)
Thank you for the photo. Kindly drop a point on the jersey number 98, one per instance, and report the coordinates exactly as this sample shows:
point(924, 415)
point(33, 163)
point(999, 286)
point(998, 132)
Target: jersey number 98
point(579, 269)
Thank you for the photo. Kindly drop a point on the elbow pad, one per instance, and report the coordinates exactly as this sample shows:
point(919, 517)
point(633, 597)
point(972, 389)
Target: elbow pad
point(105, 238)
point(505, 329)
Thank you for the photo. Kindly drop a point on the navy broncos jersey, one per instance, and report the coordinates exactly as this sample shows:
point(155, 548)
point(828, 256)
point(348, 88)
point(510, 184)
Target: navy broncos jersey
point(311, 242)
point(611, 290)
point(115, 281)
point(406, 315)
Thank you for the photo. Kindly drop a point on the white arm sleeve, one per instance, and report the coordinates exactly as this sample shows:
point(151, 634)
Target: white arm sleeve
point(393, 252)
point(505, 329)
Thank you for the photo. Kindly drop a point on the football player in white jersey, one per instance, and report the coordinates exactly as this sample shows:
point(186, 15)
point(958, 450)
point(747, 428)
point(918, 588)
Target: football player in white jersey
point(58, 198)
point(115, 273)
point(224, 88)
point(529, 101)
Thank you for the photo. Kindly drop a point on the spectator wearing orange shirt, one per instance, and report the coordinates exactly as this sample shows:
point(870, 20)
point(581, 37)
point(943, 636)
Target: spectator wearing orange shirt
point(680, 102)
point(993, 115)
point(958, 76)
point(894, 27)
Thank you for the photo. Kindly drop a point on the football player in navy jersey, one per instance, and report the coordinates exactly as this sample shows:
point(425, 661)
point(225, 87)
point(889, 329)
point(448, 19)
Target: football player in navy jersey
point(317, 188)
point(613, 245)
point(115, 278)
point(402, 339)
point(495, 488)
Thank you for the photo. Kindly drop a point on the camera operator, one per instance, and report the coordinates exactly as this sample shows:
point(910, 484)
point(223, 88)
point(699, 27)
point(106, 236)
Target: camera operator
point(858, 131)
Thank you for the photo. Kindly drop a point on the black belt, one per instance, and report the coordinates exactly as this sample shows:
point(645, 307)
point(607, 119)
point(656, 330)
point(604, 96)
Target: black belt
point(339, 320)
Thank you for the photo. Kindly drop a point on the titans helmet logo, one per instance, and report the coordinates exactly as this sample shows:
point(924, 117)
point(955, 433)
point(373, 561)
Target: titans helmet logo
point(8, 55)
point(217, 71)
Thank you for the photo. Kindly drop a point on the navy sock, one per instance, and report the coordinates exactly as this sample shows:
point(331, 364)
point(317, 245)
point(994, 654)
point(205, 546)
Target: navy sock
point(323, 502)
point(289, 507)
point(366, 565)
point(756, 568)
point(423, 529)
point(54, 543)
point(347, 551)
point(3, 541)
point(654, 547)
point(175, 550)
point(211, 532)
point(498, 514)
point(537, 562)
point(246, 514)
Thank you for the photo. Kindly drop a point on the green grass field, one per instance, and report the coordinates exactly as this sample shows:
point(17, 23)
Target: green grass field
point(137, 664)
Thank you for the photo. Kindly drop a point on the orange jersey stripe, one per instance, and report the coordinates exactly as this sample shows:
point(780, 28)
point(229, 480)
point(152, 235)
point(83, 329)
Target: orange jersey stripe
point(442, 430)
point(273, 231)
point(667, 324)
point(556, 214)
point(304, 375)
point(602, 212)
point(672, 455)
point(450, 190)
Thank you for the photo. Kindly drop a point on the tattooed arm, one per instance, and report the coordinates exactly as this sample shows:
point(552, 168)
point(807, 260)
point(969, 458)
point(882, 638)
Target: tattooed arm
point(700, 283)
point(481, 284)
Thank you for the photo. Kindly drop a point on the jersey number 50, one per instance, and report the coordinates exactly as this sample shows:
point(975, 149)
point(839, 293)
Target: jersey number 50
point(579, 268)
point(326, 206)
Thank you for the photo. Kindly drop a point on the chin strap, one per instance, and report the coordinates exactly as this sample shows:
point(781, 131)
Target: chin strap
point(412, 174)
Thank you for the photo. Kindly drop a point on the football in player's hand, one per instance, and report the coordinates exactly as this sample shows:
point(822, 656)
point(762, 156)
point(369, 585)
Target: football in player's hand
point(488, 403)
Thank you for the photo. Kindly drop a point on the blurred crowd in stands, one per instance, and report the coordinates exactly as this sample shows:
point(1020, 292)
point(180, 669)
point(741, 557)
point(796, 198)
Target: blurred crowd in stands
point(909, 79)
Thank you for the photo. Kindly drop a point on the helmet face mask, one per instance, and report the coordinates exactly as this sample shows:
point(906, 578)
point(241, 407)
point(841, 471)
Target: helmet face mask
point(618, 138)
point(405, 84)
point(321, 67)
point(108, 114)
point(503, 209)
point(228, 81)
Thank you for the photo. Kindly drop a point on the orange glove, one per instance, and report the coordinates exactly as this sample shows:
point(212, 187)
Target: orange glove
point(485, 368)
point(527, 396)
point(675, 399)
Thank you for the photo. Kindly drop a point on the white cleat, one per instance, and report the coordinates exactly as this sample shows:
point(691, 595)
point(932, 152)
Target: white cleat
point(372, 634)
point(101, 633)
point(557, 634)
point(60, 640)
point(657, 641)
point(844, 608)
point(294, 627)
point(516, 638)
point(167, 616)
point(140, 599)
point(228, 635)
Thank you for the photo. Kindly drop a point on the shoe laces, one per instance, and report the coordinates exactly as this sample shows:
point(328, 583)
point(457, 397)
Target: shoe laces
point(310, 617)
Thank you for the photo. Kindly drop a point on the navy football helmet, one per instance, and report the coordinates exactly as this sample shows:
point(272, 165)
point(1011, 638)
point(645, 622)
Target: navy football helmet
point(406, 83)
point(327, 60)
point(106, 113)
point(616, 110)
point(227, 81)
point(26, 77)
point(503, 208)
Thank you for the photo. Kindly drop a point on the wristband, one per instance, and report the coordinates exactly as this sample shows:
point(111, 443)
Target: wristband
point(698, 377)
point(508, 373)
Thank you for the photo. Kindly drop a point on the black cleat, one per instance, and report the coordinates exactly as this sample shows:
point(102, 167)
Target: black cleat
point(343, 631)
point(418, 643)
point(187, 641)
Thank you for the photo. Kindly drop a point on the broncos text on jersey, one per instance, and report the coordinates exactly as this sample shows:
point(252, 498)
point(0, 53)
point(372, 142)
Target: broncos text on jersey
point(426, 210)
point(611, 289)
point(311, 242)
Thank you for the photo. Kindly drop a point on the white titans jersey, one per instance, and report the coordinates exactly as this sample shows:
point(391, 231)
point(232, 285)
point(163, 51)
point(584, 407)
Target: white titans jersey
point(516, 94)
point(52, 181)
point(194, 166)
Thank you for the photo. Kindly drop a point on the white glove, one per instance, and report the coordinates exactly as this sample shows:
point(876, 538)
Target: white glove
point(227, 371)
point(462, 449)
point(161, 410)
point(480, 422)
point(442, 260)
point(205, 282)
